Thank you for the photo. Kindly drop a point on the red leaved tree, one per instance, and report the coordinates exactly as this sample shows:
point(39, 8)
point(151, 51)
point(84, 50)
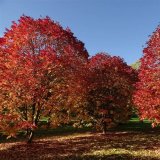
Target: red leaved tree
point(41, 66)
point(110, 90)
point(147, 95)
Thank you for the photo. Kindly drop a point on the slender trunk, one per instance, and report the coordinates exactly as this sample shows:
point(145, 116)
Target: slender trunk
point(141, 121)
point(27, 132)
point(104, 127)
point(30, 136)
point(30, 132)
point(37, 117)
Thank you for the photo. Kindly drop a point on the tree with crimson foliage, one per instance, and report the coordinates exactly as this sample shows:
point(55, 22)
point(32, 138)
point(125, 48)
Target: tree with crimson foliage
point(147, 95)
point(41, 66)
point(110, 90)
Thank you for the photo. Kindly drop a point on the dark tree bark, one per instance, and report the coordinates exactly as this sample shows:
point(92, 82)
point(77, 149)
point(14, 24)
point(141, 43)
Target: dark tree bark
point(30, 136)
point(104, 127)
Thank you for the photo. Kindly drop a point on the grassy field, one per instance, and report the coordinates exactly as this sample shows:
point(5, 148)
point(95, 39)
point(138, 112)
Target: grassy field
point(134, 140)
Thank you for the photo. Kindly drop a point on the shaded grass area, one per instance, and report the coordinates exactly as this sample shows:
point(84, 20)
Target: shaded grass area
point(42, 132)
point(136, 125)
point(131, 141)
point(63, 131)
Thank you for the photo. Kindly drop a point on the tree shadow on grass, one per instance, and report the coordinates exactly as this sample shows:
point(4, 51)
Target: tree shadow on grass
point(84, 148)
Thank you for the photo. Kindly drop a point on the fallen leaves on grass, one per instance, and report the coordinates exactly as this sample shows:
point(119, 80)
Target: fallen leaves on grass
point(114, 145)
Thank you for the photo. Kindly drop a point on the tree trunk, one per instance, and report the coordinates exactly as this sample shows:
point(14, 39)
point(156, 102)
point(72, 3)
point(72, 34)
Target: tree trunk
point(104, 127)
point(30, 136)
point(141, 121)
point(27, 132)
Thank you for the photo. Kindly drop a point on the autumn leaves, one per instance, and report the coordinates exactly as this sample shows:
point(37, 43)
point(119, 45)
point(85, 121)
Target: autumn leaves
point(45, 72)
point(147, 95)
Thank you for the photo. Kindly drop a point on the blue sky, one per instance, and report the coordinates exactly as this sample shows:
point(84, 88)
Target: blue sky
point(118, 27)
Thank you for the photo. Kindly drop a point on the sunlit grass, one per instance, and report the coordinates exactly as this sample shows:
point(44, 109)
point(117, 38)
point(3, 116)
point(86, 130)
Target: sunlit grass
point(119, 151)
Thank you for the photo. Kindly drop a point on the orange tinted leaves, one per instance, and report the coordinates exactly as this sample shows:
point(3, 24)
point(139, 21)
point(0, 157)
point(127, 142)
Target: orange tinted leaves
point(41, 71)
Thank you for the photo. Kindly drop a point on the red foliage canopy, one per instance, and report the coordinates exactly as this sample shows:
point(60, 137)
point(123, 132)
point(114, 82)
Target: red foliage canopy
point(147, 96)
point(40, 63)
point(110, 89)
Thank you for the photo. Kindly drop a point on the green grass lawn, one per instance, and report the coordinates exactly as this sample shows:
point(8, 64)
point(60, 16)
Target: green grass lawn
point(136, 125)
point(131, 141)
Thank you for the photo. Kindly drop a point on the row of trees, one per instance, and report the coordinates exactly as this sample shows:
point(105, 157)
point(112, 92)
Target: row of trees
point(46, 72)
